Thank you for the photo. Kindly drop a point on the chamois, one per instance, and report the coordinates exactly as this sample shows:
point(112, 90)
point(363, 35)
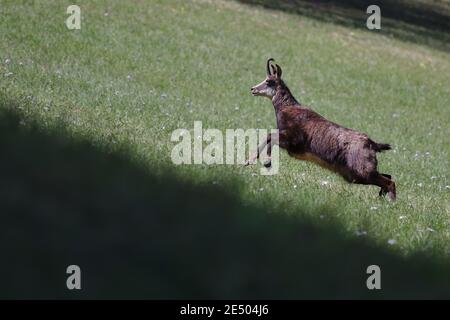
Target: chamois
point(306, 135)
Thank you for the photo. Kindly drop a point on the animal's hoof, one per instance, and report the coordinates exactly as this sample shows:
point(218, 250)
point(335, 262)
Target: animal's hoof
point(268, 164)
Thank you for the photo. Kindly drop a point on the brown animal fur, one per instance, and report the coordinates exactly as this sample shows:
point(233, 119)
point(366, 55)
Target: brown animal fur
point(308, 136)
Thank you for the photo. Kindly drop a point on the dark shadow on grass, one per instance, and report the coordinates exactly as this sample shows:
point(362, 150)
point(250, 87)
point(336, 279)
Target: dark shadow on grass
point(141, 235)
point(426, 23)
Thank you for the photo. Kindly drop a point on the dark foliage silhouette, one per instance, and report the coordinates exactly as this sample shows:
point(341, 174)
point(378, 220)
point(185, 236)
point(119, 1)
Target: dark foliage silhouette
point(426, 23)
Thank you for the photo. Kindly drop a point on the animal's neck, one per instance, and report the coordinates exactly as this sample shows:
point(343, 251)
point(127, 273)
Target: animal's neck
point(283, 97)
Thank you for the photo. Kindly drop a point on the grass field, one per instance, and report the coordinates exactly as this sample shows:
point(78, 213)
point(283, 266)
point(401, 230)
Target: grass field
point(137, 70)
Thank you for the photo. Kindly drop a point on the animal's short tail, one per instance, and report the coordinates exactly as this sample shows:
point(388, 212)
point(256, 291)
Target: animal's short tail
point(380, 147)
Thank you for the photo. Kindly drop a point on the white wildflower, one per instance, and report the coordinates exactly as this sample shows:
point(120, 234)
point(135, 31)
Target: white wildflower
point(392, 241)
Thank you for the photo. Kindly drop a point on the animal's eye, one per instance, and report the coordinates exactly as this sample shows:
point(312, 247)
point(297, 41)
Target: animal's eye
point(270, 83)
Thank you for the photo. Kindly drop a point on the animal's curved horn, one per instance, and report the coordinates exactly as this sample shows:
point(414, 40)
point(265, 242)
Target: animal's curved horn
point(268, 65)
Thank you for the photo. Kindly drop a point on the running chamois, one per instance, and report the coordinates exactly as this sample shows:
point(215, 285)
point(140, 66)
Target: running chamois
point(306, 135)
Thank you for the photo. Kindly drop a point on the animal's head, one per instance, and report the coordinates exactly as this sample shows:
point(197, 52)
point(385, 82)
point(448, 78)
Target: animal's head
point(268, 87)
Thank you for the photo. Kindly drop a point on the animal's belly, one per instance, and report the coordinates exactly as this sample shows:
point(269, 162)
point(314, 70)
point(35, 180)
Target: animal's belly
point(343, 171)
point(315, 159)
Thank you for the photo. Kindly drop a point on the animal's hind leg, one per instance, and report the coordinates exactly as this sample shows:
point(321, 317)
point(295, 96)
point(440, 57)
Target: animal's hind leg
point(383, 191)
point(386, 184)
point(392, 193)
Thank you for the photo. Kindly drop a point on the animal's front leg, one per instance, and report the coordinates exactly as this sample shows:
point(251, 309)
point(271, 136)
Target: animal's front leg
point(258, 151)
point(271, 140)
point(275, 139)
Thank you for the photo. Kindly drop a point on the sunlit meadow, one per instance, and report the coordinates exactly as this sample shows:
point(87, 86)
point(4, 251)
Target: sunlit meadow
point(134, 73)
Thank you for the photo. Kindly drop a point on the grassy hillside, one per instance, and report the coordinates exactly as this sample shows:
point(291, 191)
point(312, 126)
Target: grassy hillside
point(136, 234)
point(137, 70)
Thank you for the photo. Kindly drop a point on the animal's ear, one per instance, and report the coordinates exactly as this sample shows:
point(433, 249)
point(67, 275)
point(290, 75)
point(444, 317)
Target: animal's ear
point(274, 71)
point(279, 72)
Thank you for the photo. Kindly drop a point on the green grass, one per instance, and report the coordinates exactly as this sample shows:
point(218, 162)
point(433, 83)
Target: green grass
point(196, 60)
